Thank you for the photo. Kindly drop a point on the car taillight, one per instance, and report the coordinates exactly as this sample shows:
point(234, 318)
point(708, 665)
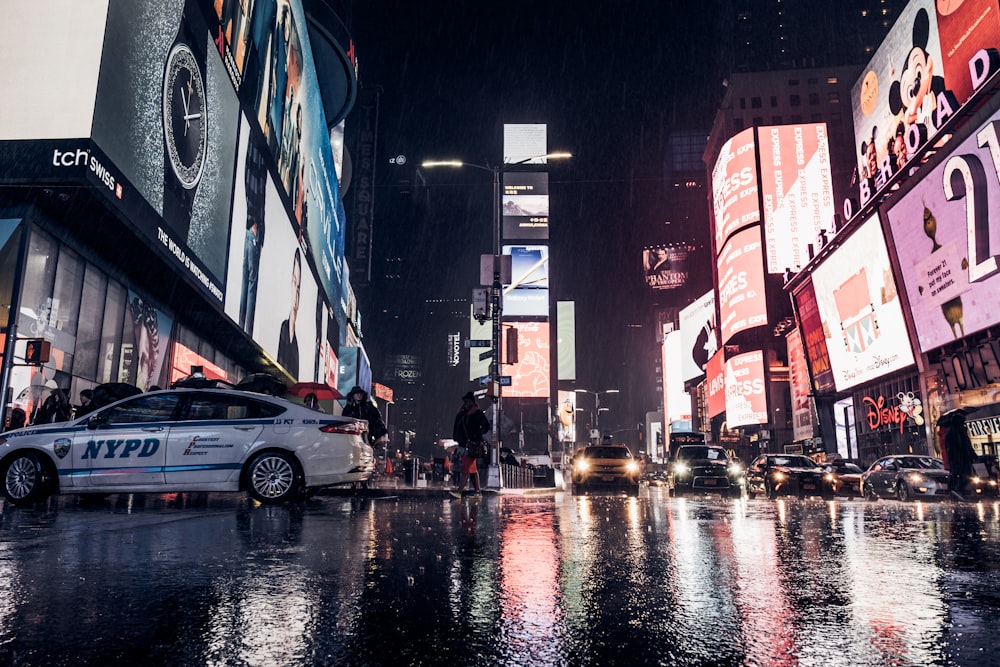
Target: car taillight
point(349, 428)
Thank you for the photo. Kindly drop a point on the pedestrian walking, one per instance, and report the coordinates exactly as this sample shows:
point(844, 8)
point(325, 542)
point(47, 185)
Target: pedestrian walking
point(957, 452)
point(360, 406)
point(470, 427)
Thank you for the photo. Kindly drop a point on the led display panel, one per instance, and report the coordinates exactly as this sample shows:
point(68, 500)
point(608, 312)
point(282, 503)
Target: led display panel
point(528, 293)
point(530, 375)
point(814, 337)
point(858, 303)
point(746, 396)
point(742, 304)
point(715, 384)
point(566, 414)
point(734, 186)
point(699, 338)
point(676, 401)
point(946, 233)
point(525, 205)
point(916, 80)
point(797, 189)
point(799, 386)
point(666, 267)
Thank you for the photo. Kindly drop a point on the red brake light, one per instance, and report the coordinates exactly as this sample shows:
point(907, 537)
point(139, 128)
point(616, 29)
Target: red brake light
point(348, 427)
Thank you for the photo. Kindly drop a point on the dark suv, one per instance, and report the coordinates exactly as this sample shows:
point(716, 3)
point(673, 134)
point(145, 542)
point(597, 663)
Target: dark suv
point(705, 468)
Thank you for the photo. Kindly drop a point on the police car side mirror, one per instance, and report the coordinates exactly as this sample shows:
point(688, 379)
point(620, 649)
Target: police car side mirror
point(96, 420)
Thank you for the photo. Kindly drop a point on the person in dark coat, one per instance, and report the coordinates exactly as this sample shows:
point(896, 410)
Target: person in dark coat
point(360, 406)
point(958, 454)
point(86, 403)
point(470, 427)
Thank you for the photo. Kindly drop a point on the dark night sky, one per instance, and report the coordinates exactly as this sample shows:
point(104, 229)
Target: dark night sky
point(610, 80)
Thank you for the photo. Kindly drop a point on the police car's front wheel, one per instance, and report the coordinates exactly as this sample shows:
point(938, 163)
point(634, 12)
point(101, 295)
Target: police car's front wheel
point(274, 477)
point(24, 478)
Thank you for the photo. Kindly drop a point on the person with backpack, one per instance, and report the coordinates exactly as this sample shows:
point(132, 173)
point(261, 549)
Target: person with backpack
point(470, 427)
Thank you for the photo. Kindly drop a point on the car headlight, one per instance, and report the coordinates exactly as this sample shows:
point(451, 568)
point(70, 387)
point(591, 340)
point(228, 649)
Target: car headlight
point(681, 469)
point(778, 475)
point(829, 477)
point(582, 465)
point(735, 469)
point(975, 479)
point(916, 477)
point(632, 467)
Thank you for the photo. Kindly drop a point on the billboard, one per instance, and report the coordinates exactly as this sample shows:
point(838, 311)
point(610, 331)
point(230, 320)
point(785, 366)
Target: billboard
point(858, 303)
point(814, 336)
point(528, 293)
point(742, 303)
point(566, 416)
point(715, 384)
point(699, 338)
point(797, 189)
point(676, 401)
point(946, 233)
point(734, 186)
point(525, 205)
point(799, 386)
point(480, 357)
point(530, 375)
point(746, 398)
point(666, 267)
point(917, 79)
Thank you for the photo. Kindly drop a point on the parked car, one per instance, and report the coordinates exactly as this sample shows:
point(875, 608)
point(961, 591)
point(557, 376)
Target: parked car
point(609, 466)
point(788, 474)
point(846, 477)
point(187, 440)
point(905, 477)
point(705, 468)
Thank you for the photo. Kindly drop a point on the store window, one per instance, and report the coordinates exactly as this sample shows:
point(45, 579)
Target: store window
point(88, 334)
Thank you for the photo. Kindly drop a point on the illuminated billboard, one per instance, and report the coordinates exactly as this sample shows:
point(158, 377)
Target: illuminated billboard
point(676, 401)
point(918, 78)
point(525, 205)
point(566, 416)
point(797, 190)
point(715, 384)
point(946, 232)
point(734, 186)
point(528, 293)
point(799, 387)
point(858, 303)
point(699, 338)
point(814, 337)
point(741, 284)
point(666, 267)
point(530, 375)
point(746, 396)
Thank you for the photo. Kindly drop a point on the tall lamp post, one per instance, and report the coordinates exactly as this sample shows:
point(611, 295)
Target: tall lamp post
point(496, 302)
point(597, 406)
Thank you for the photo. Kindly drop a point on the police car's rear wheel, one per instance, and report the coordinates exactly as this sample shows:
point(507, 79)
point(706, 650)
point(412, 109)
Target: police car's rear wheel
point(24, 478)
point(274, 477)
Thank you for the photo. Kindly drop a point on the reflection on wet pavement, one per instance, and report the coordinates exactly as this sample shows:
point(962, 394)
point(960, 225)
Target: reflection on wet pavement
point(498, 580)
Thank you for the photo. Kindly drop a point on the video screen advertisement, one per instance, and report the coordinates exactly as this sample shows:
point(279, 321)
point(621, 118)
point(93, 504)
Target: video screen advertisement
point(734, 186)
point(746, 395)
point(699, 337)
point(715, 384)
point(946, 233)
point(797, 188)
point(860, 309)
point(666, 267)
point(528, 293)
point(929, 65)
point(814, 338)
point(530, 375)
point(166, 125)
point(525, 205)
point(742, 303)
point(799, 387)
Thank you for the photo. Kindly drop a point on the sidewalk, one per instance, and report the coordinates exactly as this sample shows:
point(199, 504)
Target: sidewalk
point(393, 488)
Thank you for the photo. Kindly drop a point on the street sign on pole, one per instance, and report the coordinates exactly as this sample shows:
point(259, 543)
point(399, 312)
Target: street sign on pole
point(474, 342)
point(505, 380)
point(484, 380)
point(485, 355)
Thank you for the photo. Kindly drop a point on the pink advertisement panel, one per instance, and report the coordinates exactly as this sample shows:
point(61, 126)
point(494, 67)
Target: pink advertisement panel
point(741, 284)
point(946, 231)
point(530, 375)
point(734, 186)
point(715, 381)
point(746, 398)
point(797, 190)
point(858, 303)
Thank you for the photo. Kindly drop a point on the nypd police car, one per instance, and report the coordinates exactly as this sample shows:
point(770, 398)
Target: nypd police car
point(187, 440)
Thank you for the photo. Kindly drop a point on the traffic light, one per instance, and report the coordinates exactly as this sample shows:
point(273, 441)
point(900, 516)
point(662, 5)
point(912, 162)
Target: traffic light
point(511, 357)
point(36, 351)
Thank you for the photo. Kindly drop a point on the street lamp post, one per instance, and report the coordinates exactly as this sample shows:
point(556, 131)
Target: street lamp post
point(597, 406)
point(496, 301)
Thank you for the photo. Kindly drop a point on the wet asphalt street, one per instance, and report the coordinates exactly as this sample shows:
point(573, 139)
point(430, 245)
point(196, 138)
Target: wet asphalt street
point(550, 579)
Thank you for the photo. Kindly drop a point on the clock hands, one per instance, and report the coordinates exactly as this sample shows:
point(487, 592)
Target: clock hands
point(186, 101)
